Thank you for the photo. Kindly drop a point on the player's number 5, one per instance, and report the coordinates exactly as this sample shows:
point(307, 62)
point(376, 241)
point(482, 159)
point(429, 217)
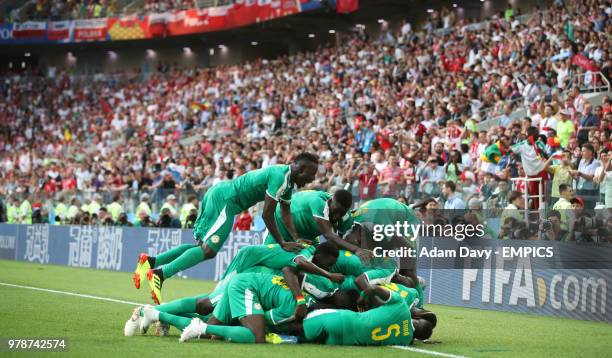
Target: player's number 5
point(392, 329)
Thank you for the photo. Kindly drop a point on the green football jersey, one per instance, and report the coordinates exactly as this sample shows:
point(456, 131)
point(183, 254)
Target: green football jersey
point(252, 187)
point(305, 207)
point(389, 324)
point(409, 295)
point(318, 286)
point(271, 256)
point(384, 211)
point(350, 264)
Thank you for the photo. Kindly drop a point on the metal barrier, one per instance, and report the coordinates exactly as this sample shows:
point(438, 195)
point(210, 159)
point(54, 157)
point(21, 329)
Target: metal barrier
point(527, 196)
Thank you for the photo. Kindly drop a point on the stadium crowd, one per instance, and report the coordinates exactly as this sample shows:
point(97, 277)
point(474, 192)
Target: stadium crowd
point(64, 10)
point(88, 9)
point(168, 5)
point(394, 115)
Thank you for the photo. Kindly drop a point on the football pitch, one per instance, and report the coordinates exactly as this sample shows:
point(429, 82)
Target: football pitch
point(90, 307)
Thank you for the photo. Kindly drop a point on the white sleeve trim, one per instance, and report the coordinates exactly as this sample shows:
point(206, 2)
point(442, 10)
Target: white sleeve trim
point(283, 187)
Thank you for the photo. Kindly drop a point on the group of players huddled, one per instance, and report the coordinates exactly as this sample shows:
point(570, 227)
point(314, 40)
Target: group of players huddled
point(292, 287)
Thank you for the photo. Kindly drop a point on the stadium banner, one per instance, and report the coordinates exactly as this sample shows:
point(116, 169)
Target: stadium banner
point(59, 31)
point(30, 30)
point(127, 28)
point(111, 247)
point(155, 25)
point(574, 284)
point(287, 7)
point(512, 285)
point(90, 30)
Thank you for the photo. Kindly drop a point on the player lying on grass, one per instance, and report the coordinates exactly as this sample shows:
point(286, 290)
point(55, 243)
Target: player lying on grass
point(252, 300)
point(389, 324)
point(317, 213)
point(255, 300)
point(215, 219)
point(174, 312)
point(392, 320)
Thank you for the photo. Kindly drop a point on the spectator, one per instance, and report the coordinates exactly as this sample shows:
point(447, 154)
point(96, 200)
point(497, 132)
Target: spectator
point(561, 173)
point(549, 120)
point(368, 182)
point(431, 175)
point(515, 207)
point(453, 167)
point(565, 128)
point(603, 178)
point(453, 201)
point(564, 206)
point(389, 177)
point(532, 152)
point(588, 122)
point(587, 188)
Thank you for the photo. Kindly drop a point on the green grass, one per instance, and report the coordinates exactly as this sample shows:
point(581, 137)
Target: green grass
point(95, 328)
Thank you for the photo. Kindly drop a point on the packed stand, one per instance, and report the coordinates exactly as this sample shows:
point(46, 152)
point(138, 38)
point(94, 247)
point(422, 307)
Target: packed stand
point(390, 116)
point(88, 9)
point(168, 5)
point(65, 10)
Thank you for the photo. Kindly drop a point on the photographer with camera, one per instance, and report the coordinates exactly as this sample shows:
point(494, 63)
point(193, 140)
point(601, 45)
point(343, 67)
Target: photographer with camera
point(551, 228)
point(587, 227)
point(144, 220)
point(167, 221)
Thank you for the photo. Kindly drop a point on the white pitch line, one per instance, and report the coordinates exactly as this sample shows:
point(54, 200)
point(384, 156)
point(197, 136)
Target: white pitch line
point(72, 294)
point(424, 351)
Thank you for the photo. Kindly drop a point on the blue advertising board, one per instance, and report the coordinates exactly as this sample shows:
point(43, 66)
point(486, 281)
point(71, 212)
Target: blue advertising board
point(568, 287)
point(110, 247)
point(519, 286)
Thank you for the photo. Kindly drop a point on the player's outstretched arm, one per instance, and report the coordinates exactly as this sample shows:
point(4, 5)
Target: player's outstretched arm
point(268, 218)
point(287, 218)
point(325, 228)
point(293, 283)
point(307, 266)
point(370, 292)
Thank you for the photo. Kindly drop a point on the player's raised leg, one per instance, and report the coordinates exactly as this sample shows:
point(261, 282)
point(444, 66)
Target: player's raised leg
point(213, 227)
point(146, 262)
